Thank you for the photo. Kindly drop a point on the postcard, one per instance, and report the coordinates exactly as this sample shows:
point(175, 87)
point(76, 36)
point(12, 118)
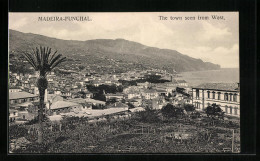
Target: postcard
point(124, 82)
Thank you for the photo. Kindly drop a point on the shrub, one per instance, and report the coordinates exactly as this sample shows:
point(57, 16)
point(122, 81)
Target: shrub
point(16, 131)
point(214, 111)
point(195, 114)
point(35, 120)
point(189, 107)
point(171, 111)
point(149, 116)
point(60, 139)
point(130, 105)
point(33, 148)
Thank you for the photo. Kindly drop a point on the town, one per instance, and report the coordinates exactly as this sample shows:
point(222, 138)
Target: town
point(97, 98)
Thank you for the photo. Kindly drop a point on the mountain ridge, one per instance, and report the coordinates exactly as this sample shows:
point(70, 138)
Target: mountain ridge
point(119, 50)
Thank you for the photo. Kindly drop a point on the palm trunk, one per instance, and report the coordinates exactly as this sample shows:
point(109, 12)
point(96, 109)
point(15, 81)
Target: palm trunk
point(42, 85)
point(40, 115)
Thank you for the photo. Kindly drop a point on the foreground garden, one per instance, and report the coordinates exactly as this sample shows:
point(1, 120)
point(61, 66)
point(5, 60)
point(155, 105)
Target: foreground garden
point(143, 132)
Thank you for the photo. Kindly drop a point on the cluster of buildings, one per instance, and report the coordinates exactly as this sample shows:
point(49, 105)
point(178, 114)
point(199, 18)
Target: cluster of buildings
point(67, 94)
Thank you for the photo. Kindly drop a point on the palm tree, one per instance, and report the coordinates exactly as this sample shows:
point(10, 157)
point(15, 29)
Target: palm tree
point(43, 61)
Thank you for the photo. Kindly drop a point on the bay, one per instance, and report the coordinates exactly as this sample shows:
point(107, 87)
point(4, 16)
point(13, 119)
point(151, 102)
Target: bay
point(223, 75)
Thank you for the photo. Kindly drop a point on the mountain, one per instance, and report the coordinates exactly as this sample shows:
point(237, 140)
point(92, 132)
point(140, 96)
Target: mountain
point(116, 54)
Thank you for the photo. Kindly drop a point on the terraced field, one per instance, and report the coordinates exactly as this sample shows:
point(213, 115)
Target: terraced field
point(200, 135)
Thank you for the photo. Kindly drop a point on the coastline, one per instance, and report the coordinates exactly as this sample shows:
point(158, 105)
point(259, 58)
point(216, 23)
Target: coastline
point(223, 75)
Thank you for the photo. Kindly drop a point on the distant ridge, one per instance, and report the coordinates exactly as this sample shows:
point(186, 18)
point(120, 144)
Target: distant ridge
point(99, 51)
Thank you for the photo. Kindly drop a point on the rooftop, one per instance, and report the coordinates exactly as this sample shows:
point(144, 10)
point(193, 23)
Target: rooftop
point(96, 113)
point(77, 100)
point(25, 104)
point(18, 95)
point(219, 86)
point(62, 104)
point(137, 109)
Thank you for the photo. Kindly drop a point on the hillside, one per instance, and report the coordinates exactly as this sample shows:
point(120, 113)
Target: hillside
point(116, 55)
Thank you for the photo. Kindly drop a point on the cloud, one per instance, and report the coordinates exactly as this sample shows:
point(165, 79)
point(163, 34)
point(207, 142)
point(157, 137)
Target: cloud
point(16, 24)
point(225, 51)
point(211, 32)
point(226, 57)
point(214, 41)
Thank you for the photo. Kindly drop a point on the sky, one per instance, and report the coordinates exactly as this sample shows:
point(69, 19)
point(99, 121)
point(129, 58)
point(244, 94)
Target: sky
point(211, 40)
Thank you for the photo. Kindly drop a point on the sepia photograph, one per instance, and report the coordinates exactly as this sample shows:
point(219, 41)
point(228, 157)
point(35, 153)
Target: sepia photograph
point(123, 83)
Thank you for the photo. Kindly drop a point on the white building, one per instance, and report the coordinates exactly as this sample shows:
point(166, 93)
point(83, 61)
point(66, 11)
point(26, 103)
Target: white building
point(227, 95)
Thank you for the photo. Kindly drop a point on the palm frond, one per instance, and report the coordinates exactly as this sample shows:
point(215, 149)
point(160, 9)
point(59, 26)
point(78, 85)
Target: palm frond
point(30, 59)
point(42, 55)
point(42, 60)
point(38, 58)
point(48, 52)
point(53, 55)
point(58, 62)
point(55, 59)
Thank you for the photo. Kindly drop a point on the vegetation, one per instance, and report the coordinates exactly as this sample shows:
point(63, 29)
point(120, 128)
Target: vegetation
point(182, 91)
point(36, 120)
point(81, 67)
point(214, 111)
point(126, 83)
point(148, 78)
point(135, 135)
point(102, 89)
point(170, 111)
point(43, 61)
point(20, 68)
point(111, 101)
point(105, 88)
point(148, 116)
point(130, 105)
point(16, 131)
point(189, 107)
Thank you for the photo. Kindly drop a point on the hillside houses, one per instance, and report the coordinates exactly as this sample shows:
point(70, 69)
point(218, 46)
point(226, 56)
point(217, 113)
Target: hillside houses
point(14, 89)
point(158, 103)
point(149, 93)
point(21, 97)
point(13, 114)
point(137, 102)
point(115, 96)
point(64, 107)
point(68, 93)
point(144, 85)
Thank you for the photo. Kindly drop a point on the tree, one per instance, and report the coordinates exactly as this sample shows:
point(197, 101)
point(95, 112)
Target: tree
point(182, 91)
point(15, 132)
point(43, 61)
point(81, 67)
point(130, 105)
point(171, 111)
point(189, 107)
point(149, 116)
point(111, 101)
point(82, 94)
point(214, 110)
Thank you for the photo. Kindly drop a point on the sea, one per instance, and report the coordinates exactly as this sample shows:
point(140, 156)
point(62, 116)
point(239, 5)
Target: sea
point(223, 75)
